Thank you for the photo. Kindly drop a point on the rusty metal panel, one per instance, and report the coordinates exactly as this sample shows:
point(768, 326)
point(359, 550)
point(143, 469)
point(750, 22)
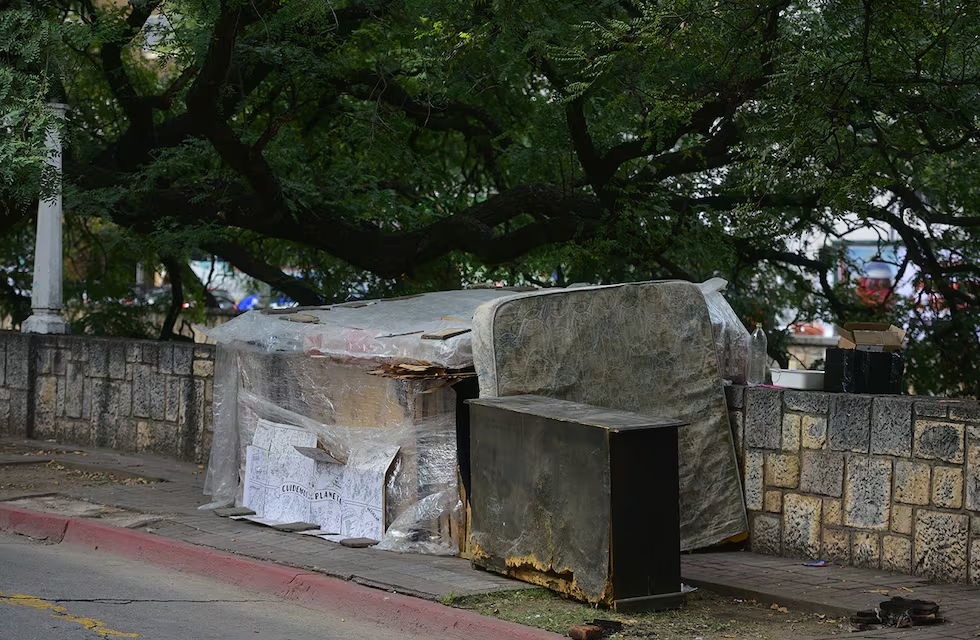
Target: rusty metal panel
point(576, 498)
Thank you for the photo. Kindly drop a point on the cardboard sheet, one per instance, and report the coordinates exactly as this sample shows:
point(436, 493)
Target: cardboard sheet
point(287, 480)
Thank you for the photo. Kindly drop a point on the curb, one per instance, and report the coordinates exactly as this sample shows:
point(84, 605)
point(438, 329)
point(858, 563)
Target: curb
point(390, 610)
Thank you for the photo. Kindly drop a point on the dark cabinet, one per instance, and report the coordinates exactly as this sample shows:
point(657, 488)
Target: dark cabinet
point(577, 498)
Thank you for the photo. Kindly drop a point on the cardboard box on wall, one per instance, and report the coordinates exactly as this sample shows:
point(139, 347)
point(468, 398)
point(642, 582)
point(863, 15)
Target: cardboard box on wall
point(870, 336)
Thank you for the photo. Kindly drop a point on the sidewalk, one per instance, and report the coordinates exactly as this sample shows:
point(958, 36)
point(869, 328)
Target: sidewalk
point(176, 501)
point(834, 590)
point(173, 506)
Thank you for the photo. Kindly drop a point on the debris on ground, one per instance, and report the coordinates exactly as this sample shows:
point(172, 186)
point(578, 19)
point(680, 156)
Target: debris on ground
point(898, 612)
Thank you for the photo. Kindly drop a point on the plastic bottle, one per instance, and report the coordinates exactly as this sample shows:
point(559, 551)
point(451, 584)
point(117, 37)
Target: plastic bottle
point(758, 358)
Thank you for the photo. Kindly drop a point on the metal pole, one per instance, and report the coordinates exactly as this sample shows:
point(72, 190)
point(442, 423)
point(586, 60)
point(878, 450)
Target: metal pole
point(46, 293)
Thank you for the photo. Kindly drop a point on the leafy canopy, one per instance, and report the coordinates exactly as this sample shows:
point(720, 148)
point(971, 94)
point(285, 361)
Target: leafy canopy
point(390, 146)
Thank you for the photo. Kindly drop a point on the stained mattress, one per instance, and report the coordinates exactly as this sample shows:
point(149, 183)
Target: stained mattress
point(644, 347)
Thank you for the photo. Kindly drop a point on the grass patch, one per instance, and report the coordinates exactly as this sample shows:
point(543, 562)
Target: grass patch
point(706, 615)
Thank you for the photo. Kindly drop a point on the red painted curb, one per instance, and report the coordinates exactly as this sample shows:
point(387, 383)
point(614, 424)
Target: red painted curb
point(43, 526)
point(338, 597)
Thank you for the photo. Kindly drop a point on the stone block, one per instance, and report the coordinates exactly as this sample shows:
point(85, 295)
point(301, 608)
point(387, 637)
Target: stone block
point(59, 361)
point(791, 432)
point(44, 426)
point(831, 512)
point(74, 385)
point(185, 412)
point(973, 477)
point(172, 412)
point(144, 436)
point(975, 561)
point(203, 368)
point(183, 359)
point(801, 525)
point(865, 550)
point(911, 482)
point(782, 470)
point(867, 496)
point(774, 501)
point(59, 401)
point(165, 362)
point(764, 536)
point(87, 399)
point(975, 525)
point(120, 400)
point(196, 425)
point(44, 359)
point(142, 382)
point(158, 396)
point(931, 408)
point(940, 546)
point(3, 361)
point(117, 360)
point(896, 554)
point(813, 432)
point(763, 418)
point(203, 352)
point(807, 401)
point(19, 402)
point(849, 426)
point(836, 546)
point(735, 396)
point(902, 519)
point(47, 394)
point(133, 352)
point(737, 422)
point(166, 439)
point(965, 410)
point(98, 358)
point(123, 436)
point(754, 474)
point(947, 487)
point(891, 426)
point(150, 354)
point(18, 362)
point(937, 440)
point(822, 472)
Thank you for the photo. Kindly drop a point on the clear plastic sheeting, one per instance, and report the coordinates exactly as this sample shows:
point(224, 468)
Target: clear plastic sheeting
point(221, 481)
point(413, 530)
point(315, 369)
point(731, 336)
point(387, 330)
point(648, 348)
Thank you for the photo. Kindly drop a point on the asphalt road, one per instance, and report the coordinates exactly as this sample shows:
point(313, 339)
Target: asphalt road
point(53, 592)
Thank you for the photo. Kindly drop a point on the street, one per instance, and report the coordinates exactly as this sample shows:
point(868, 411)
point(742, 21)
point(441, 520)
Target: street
point(54, 592)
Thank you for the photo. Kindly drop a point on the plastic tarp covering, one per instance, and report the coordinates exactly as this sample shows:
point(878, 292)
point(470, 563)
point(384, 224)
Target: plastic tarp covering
point(310, 369)
point(646, 348)
point(731, 336)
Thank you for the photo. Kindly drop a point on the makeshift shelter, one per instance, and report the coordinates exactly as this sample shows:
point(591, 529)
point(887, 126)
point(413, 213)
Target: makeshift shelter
point(347, 416)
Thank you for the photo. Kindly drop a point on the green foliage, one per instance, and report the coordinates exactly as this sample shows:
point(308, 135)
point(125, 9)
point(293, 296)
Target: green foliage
point(380, 148)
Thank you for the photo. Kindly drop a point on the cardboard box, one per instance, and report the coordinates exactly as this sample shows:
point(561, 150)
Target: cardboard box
point(870, 336)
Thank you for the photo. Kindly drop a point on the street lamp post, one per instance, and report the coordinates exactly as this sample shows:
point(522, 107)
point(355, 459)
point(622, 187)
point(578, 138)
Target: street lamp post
point(46, 293)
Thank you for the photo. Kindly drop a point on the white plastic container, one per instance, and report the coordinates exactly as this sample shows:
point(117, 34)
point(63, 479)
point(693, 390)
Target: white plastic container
point(798, 379)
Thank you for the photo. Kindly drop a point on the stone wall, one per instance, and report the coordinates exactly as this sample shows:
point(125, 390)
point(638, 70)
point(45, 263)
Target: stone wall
point(131, 395)
point(885, 482)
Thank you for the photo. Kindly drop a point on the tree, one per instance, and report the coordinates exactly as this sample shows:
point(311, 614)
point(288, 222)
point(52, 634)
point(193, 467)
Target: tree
point(422, 139)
